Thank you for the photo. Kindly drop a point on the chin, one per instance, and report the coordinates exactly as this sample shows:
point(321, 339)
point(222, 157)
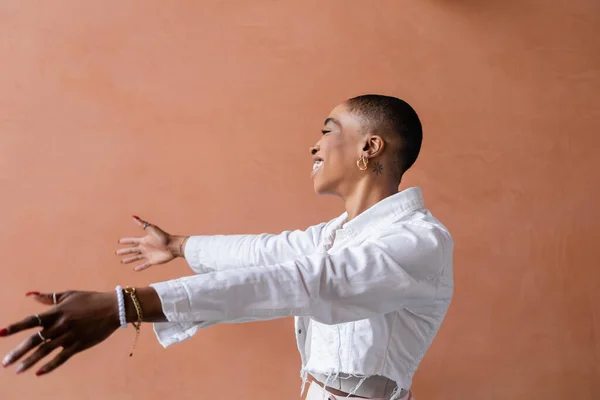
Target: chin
point(322, 188)
point(320, 192)
point(318, 187)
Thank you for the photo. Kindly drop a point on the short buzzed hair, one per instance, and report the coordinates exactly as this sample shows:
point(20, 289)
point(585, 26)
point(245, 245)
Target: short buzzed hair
point(386, 115)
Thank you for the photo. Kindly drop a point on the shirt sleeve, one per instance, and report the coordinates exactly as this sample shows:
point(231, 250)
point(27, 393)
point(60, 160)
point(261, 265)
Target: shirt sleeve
point(398, 269)
point(220, 252)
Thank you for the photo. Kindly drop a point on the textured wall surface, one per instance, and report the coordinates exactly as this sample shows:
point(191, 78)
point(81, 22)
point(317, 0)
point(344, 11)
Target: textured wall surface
point(198, 116)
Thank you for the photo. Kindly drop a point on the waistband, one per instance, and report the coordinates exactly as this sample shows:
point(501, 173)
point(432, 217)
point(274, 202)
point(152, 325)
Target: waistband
point(316, 392)
point(375, 386)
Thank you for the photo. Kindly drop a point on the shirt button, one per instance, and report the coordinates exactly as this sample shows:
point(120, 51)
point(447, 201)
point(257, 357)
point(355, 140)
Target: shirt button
point(299, 331)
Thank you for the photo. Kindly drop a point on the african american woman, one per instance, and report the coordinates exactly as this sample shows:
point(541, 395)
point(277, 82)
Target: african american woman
point(368, 289)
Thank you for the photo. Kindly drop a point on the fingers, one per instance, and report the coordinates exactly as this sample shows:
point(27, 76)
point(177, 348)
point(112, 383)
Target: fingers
point(27, 345)
point(143, 266)
point(135, 249)
point(59, 360)
point(133, 240)
point(128, 250)
point(141, 222)
point(138, 221)
point(41, 352)
point(130, 241)
point(28, 323)
point(48, 299)
point(137, 257)
point(21, 349)
point(129, 260)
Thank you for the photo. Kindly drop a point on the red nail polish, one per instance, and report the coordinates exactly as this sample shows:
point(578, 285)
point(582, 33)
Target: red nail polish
point(136, 217)
point(3, 332)
point(40, 372)
point(32, 293)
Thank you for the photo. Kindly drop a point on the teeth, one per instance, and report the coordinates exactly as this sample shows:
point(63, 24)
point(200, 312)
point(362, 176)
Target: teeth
point(317, 164)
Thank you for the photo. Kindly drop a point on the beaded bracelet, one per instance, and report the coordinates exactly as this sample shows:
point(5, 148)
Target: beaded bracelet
point(121, 302)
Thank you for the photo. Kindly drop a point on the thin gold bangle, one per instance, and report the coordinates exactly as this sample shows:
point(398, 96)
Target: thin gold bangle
point(138, 308)
point(181, 254)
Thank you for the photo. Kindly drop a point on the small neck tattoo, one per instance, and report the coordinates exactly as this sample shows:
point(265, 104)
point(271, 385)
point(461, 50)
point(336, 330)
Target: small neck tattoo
point(377, 168)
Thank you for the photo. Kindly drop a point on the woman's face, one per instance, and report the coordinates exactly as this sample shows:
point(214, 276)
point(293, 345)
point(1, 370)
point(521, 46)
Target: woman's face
point(336, 153)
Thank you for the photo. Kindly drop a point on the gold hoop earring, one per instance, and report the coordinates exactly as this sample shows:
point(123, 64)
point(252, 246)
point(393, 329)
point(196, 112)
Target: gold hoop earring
point(362, 163)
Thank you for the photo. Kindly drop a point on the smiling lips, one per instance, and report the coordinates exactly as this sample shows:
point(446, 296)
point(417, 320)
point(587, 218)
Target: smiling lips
point(317, 164)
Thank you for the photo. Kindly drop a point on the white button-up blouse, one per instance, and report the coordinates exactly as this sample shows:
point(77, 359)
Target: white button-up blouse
point(368, 295)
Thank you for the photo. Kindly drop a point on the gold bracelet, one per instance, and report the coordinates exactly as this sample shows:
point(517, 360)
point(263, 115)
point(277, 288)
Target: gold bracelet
point(181, 246)
point(138, 308)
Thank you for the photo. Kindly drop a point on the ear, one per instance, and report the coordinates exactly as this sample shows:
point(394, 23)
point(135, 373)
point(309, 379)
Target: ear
point(373, 146)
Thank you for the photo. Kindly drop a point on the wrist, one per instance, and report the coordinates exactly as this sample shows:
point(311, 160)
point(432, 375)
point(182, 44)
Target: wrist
point(150, 304)
point(176, 245)
point(130, 310)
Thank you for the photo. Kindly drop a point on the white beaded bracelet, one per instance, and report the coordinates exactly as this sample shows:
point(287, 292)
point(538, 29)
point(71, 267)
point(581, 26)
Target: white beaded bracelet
point(121, 301)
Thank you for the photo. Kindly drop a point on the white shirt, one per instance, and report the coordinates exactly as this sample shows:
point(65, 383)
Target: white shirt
point(368, 296)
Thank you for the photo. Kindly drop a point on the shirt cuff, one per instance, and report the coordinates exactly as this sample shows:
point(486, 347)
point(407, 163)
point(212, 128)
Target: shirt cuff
point(193, 255)
point(170, 333)
point(173, 297)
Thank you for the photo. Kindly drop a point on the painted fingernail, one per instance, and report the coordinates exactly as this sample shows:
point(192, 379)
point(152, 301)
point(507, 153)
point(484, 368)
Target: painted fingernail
point(32, 293)
point(19, 369)
point(6, 360)
point(40, 372)
point(136, 217)
point(3, 332)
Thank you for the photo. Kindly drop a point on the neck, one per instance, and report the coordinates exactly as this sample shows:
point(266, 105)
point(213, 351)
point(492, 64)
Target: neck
point(366, 195)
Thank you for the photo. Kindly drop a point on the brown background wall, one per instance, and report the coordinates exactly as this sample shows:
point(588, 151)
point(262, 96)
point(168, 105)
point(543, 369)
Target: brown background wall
point(199, 116)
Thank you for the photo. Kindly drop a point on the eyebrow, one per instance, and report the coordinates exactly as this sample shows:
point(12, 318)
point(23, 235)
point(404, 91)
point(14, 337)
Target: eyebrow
point(335, 121)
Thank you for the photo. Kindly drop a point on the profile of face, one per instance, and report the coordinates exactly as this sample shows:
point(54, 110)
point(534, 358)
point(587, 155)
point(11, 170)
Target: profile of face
point(335, 155)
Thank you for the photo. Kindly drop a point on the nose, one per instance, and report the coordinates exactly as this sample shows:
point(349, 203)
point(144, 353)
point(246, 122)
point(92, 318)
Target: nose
point(314, 150)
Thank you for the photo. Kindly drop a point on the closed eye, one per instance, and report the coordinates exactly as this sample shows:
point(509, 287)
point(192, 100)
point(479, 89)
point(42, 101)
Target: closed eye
point(325, 132)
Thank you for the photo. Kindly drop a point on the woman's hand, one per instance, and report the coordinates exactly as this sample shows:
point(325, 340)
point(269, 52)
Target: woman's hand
point(79, 320)
point(156, 247)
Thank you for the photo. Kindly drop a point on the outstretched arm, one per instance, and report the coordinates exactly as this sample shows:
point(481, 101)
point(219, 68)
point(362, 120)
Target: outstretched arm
point(222, 252)
point(208, 253)
point(399, 269)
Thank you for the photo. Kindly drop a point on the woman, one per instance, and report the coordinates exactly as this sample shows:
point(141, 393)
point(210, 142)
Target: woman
point(368, 289)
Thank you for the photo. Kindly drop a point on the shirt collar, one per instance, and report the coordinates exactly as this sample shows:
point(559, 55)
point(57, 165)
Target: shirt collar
point(389, 209)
